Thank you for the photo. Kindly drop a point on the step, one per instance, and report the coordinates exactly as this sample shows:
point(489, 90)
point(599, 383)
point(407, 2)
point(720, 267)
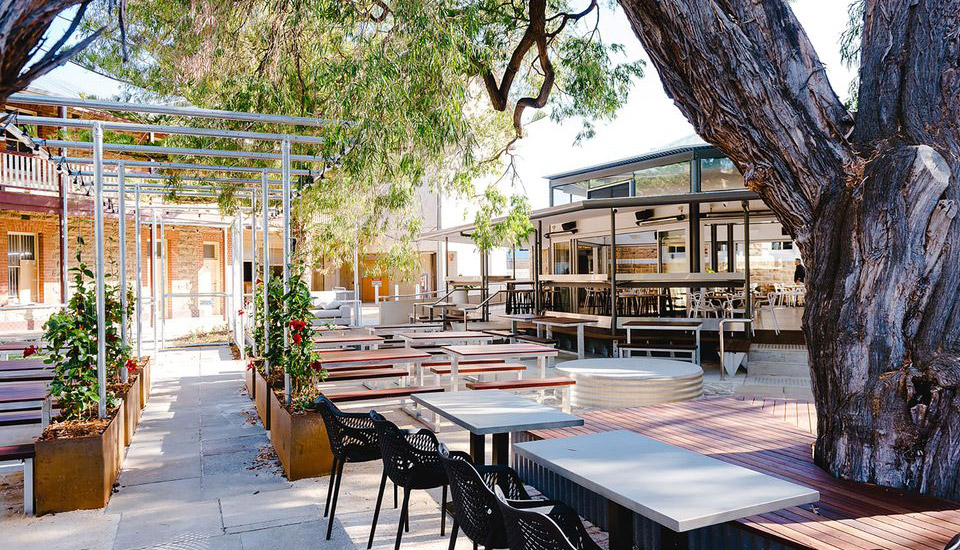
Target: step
point(779, 353)
point(789, 387)
point(772, 368)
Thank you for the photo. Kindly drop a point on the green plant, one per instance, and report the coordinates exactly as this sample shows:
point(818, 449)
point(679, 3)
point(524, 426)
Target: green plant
point(71, 336)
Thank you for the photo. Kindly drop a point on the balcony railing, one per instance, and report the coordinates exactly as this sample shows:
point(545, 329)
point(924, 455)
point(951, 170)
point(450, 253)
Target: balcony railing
point(27, 172)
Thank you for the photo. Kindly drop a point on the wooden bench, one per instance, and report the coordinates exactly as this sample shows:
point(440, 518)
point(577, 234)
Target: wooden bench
point(480, 368)
point(21, 418)
point(365, 374)
point(508, 335)
point(536, 339)
point(351, 368)
point(38, 377)
point(685, 351)
point(371, 395)
point(24, 454)
point(734, 352)
point(463, 362)
point(560, 382)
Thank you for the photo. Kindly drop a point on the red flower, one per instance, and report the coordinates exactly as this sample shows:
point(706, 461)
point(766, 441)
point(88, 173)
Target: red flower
point(240, 312)
point(297, 338)
point(29, 350)
point(298, 324)
point(317, 366)
point(131, 365)
point(250, 365)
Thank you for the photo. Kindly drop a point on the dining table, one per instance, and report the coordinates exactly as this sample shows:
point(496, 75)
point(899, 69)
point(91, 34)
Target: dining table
point(496, 351)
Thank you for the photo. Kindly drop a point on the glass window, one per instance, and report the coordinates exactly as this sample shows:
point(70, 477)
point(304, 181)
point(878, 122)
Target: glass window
point(673, 251)
point(637, 252)
point(209, 251)
point(561, 196)
point(619, 190)
point(561, 258)
point(719, 174)
point(671, 179)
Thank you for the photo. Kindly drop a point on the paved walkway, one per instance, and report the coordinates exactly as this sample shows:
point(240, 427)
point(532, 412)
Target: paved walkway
point(195, 479)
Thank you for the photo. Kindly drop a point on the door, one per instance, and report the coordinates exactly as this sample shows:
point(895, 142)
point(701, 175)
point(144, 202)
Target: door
point(366, 281)
point(22, 268)
point(209, 280)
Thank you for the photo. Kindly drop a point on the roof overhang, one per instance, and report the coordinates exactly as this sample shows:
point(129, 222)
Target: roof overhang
point(595, 207)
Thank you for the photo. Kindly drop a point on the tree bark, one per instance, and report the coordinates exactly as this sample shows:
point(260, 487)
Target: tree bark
point(871, 202)
point(23, 25)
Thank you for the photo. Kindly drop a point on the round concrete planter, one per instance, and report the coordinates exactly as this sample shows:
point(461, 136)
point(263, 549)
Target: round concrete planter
point(78, 473)
point(301, 442)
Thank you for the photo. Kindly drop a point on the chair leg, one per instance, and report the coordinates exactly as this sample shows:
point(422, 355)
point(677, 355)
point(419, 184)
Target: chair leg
point(336, 493)
point(376, 511)
point(333, 474)
point(396, 503)
point(404, 520)
point(453, 534)
point(443, 511)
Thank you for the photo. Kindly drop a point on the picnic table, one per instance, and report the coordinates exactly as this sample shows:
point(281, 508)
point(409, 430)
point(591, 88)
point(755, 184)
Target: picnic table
point(495, 412)
point(443, 338)
point(26, 395)
point(496, 351)
point(679, 489)
point(355, 338)
point(433, 306)
point(693, 326)
point(338, 358)
point(549, 322)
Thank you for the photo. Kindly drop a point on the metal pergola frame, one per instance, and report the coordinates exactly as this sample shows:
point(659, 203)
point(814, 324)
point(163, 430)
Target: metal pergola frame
point(141, 185)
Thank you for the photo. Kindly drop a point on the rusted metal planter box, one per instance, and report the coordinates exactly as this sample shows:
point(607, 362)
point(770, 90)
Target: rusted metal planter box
point(249, 378)
point(300, 441)
point(262, 393)
point(78, 473)
point(145, 380)
point(131, 410)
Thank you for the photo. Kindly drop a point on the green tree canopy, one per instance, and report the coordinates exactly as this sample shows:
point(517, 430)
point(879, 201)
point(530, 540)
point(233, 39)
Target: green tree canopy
point(407, 82)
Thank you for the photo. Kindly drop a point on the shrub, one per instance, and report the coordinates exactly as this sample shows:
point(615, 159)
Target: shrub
point(71, 336)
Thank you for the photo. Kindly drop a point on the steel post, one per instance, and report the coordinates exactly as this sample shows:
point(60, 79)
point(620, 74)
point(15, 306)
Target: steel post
point(122, 237)
point(138, 307)
point(98, 238)
point(266, 275)
point(285, 175)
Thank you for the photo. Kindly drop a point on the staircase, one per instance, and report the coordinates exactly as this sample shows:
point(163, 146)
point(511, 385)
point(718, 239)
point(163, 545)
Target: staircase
point(777, 370)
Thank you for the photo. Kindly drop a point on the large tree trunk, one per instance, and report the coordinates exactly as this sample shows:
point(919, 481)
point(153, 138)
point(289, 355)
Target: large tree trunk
point(873, 210)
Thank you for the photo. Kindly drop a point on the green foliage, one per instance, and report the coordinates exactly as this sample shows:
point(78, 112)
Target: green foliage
point(851, 41)
point(71, 336)
point(512, 232)
point(289, 312)
point(403, 76)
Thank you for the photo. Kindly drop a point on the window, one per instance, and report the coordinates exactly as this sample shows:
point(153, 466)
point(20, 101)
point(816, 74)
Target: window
point(719, 174)
point(561, 258)
point(209, 251)
point(671, 179)
point(618, 190)
point(22, 267)
point(781, 245)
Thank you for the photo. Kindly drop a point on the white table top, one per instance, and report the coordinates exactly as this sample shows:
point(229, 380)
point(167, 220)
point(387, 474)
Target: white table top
point(677, 488)
point(630, 367)
point(495, 411)
point(451, 336)
point(500, 350)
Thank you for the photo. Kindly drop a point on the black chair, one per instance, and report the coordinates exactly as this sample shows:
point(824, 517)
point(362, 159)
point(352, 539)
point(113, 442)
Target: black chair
point(475, 508)
point(352, 439)
point(532, 530)
point(954, 543)
point(410, 460)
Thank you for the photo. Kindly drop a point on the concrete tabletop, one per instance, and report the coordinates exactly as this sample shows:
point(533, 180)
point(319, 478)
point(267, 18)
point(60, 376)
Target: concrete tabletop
point(501, 350)
point(495, 411)
point(631, 367)
point(677, 488)
point(459, 335)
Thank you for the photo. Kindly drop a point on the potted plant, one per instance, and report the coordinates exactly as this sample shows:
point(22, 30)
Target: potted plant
point(263, 380)
point(297, 430)
point(78, 455)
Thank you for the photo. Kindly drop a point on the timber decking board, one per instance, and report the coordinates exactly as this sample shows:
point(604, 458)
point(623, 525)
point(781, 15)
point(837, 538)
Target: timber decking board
point(774, 436)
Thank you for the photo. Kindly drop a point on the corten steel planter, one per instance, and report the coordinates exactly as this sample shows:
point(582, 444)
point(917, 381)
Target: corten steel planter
point(249, 378)
point(262, 393)
point(145, 380)
point(78, 473)
point(300, 441)
point(131, 409)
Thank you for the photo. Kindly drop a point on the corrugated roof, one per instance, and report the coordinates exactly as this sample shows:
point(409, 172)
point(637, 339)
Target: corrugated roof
point(659, 153)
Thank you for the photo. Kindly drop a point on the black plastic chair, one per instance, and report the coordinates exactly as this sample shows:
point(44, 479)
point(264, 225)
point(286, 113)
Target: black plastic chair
point(352, 439)
point(410, 460)
point(475, 509)
point(533, 530)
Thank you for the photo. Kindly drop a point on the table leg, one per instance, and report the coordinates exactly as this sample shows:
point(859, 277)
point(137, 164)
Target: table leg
point(542, 365)
point(477, 450)
point(620, 526)
point(501, 449)
point(454, 373)
point(672, 540)
point(580, 344)
point(697, 332)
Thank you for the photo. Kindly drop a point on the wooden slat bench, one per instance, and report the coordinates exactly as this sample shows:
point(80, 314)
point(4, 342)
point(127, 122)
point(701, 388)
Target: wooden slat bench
point(480, 368)
point(535, 339)
point(560, 382)
point(372, 395)
point(463, 362)
point(507, 335)
point(24, 454)
point(45, 376)
point(21, 418)
point(675, 350)
point(366, 374)
point(351, 368)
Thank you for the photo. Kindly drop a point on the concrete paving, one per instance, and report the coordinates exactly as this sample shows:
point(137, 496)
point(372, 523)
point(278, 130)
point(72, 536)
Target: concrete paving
point(200, 475)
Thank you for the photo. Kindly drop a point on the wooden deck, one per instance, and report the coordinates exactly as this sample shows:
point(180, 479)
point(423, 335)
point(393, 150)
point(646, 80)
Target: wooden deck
point(776, 437)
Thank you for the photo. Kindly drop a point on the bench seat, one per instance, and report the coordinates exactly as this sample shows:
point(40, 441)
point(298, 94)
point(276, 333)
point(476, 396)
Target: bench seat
point(367, 374)
point(480, 368)
point(555, 381)
point(462, 362)
point(371, 395)
point(501, 333)
point(536, 339)
point(24, 453)
point(21, 418)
